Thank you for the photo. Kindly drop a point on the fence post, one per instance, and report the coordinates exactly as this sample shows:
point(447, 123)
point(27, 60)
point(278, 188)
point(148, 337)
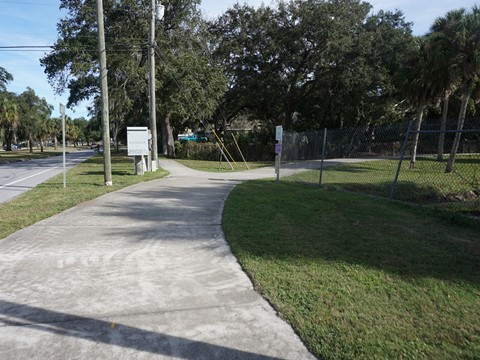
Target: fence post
point(402, 155)
point(323, 155)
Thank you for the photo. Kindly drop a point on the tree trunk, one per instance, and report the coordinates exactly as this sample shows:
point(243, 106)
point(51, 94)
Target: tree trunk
point(418, 125)
point(41, 145)
point(467, 91)
point(115, 136)
point(170, 139)
point(30, 143)
point(443, 126)
point(8, 139)
point(164, 137)
point(168, 142)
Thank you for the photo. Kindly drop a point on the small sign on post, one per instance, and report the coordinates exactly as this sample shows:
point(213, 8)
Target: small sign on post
point(137, 145)
point(278, 149)
point(279, 134)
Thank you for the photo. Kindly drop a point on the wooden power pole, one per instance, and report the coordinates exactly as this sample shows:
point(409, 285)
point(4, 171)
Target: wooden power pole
point(104, 94)
point(152, 86)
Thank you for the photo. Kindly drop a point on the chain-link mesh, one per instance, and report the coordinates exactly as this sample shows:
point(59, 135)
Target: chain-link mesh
point(367, 159)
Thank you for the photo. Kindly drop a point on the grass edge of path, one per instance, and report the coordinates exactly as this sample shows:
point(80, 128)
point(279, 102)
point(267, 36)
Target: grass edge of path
point(296, 265)
point(84, 183)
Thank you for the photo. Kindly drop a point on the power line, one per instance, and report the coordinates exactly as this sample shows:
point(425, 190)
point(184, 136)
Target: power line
point(21, 50)
point(113, 48)
point(26, 47)
point(27, 3)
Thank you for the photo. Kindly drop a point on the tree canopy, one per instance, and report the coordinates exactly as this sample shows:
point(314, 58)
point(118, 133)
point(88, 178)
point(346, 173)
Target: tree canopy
point(306, 64)
point(310, 64)
point(188, 84)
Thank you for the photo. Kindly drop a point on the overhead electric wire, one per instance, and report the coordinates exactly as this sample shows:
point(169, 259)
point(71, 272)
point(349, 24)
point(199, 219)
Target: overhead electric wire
point(112, 48)
point(26, 3)
point(25, 46)
point(134, 44)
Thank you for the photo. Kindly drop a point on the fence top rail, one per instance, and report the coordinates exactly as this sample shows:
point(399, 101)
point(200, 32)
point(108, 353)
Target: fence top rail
point(464, 131)
point(444, 131)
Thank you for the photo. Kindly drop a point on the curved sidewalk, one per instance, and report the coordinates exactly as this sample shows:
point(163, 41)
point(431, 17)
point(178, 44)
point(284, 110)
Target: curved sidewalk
point(141, 273)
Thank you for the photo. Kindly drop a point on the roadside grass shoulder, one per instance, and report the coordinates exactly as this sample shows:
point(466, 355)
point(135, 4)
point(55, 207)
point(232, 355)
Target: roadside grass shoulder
point(7, 157)
point(84, 182)
point(358, 277)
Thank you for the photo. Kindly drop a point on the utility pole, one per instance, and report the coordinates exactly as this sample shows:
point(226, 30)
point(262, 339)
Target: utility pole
point(152, 86)
point(104, 93)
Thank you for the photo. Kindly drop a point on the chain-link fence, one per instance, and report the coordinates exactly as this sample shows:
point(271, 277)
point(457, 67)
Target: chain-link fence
point(379, 161)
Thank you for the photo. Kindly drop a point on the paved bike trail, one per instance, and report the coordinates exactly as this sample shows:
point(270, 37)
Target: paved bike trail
point(141, 273)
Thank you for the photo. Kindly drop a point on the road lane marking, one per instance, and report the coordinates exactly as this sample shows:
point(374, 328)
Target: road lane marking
point(37, 174)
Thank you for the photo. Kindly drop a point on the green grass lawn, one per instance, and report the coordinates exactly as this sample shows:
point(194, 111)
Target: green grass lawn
point(84, 182)
point(426, 184)
point(359, 277)
point(215, 166)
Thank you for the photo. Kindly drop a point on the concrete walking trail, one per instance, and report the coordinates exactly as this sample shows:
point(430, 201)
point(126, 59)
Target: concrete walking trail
point(141, 273)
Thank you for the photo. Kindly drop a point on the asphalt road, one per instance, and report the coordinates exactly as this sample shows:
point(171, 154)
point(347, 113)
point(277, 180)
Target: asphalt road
point(18, 177)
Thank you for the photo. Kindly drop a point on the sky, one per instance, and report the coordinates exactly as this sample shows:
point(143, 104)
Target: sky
point(33, 23)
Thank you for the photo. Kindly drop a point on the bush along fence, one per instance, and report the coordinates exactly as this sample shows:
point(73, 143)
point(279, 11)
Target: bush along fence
point(392, 161)
point(254, 146)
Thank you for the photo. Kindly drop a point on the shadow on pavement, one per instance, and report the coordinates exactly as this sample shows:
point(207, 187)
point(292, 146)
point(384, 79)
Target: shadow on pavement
point(13, 315)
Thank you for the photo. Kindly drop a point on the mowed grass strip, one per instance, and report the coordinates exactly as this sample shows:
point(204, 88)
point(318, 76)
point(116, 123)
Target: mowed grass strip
point(426, 184)
point(84, 182)
point(357, 277)
point(223, 166)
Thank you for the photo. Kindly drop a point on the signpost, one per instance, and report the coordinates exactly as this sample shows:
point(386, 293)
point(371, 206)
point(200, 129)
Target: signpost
point(278, 149)
point(62, 112)
point(137, 143)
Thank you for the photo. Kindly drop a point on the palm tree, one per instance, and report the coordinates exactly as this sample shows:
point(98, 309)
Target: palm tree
point(460, 32)
point(447, 76)
point(41, 130)
point(57, 131)
point(42, 116)
point(5, 77)
point(421, 87)
point(8, 119)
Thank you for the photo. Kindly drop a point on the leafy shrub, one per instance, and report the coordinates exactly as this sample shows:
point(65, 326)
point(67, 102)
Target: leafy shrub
point(255, 146)
point(196, 151)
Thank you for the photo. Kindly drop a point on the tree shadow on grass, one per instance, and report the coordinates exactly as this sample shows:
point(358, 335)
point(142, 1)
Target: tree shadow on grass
point(343, 227)
point(100, 173)
point(461, 159)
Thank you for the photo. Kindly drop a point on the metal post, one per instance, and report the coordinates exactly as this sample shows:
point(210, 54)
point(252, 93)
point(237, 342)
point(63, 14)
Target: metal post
point(64, 154)
point(104, 92)
point(402, 155)
point(152, 86)
point(323, 154)
point(62, 111)
point(278, 161)
point(278, 150)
